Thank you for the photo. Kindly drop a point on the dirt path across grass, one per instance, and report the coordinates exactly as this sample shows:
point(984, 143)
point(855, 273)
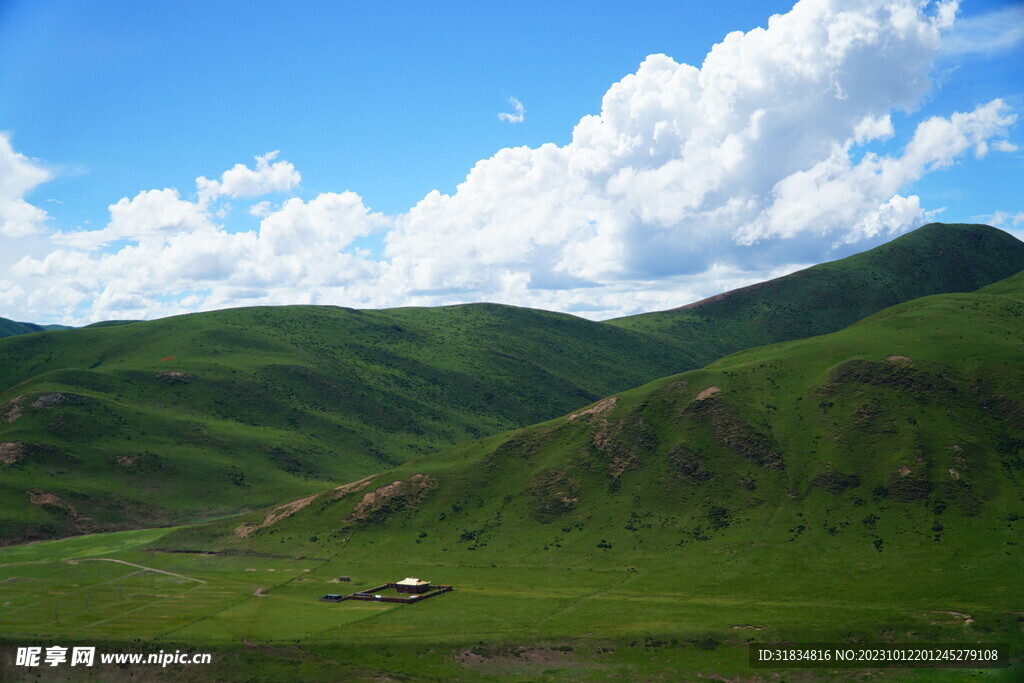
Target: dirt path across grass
point(139, 566)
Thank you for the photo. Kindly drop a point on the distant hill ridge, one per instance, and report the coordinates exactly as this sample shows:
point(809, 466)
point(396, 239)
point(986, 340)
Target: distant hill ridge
point(9, 328)
point(934, 259)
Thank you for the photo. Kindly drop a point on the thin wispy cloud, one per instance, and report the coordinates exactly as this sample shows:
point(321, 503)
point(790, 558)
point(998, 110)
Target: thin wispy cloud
point(518, 116)
point(989, 33)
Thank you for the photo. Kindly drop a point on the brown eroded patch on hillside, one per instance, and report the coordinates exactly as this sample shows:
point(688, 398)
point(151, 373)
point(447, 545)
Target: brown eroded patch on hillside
point(12, 451)
point(707, 393)
point(275, 516)
point(16, 408)
point(13, 409)
point(398, 495)
point(79, 523)
point(346, 489)
point(599, 409)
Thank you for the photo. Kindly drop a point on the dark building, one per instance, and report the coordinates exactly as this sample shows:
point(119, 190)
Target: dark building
point(412, 585)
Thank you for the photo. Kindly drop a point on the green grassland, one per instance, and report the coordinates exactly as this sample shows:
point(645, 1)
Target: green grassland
point(935, 259)
point(511, 616)
point(863, 486)
point(191, 417)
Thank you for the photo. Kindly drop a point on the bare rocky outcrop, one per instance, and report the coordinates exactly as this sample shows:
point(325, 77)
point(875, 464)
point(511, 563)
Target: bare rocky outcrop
point(12, 451)
point(175, 377)
point(79, 523)
point(13, 409)
point(274, 516)
point(19, 406)
point(707, 393)
point(353, 487)
point(53, 399)
point(599, 409)
point(390, 498)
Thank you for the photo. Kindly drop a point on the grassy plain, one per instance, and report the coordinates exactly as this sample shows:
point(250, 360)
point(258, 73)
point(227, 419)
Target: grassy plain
point(626, 616)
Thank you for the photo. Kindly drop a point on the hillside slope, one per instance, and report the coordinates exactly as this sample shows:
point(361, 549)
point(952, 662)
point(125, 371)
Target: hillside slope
point(895, 445)
point(9, 328)
point(935, 259)
point(865, 486)
point(206, 414)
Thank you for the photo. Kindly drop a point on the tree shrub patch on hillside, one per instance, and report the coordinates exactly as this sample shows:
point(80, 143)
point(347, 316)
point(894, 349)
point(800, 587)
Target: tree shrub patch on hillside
point(730, 430)
point(553, 493)
point(834, 481)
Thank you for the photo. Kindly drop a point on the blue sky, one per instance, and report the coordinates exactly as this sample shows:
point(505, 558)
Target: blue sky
point(373, 106)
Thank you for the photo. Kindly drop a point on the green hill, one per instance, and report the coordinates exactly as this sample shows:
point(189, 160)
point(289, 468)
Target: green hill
point(9, 328)
point(912, 416)
point(861, 487)
point(865, 486)
point(208, 414)
point(934, 259)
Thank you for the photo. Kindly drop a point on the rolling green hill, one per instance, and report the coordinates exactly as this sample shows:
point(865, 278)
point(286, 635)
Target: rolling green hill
point(864, 486)
point(9, 328)
point(207, 414)
point(934, 259)
point(912, 418)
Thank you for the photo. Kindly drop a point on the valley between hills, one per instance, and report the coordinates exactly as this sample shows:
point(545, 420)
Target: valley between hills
point(836, 455)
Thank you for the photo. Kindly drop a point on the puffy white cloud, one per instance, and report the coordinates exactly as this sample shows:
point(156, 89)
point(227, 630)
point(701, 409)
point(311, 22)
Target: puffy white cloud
point(331, 221)
point(18, 177)
point(178, 259)
point(518, 116)
point(687, 168)
point(152, 215)
point(242, 181)
point(838, 194)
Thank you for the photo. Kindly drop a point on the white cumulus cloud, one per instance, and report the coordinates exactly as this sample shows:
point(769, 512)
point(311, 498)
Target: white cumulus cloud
point(242, 181)
point(687, 168)
point(18, 177)
point(152, 215)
